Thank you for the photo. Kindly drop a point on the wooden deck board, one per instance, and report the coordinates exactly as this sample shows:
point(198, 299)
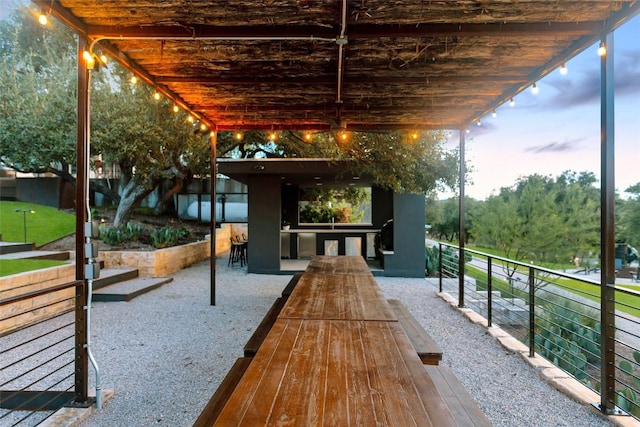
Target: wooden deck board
point(337, 296)
point(338, 265)
point(328, 373)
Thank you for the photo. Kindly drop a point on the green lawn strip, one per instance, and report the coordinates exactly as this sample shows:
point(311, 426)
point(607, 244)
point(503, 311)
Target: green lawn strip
point(45, 225)
point(624, 302)
point(15, 266)
point(550, 265)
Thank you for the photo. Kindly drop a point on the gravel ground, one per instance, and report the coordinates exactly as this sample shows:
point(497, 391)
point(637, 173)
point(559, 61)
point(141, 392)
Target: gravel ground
point(165, 352)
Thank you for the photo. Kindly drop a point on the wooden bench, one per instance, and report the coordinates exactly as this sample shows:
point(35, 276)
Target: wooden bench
point(252, 346)
point(212, 410)
point(464, 409)
point(429, 352)
point(286, 292)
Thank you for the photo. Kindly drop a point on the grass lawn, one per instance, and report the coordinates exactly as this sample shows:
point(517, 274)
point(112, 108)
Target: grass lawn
point(45, 225)
point(15, 266)
point(624, 302)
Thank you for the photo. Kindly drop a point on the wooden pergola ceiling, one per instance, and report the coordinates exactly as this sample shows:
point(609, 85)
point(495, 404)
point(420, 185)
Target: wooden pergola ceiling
point(327, 64)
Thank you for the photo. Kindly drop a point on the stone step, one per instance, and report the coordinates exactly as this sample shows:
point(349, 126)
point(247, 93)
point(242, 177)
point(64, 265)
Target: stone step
point(129, 289)
point(30, 254)
point(13, 247)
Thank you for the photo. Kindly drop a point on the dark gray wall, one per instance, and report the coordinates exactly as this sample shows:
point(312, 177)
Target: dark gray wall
point(49, 191)
point(381, 206)
point(264, 224)
point(408, 233)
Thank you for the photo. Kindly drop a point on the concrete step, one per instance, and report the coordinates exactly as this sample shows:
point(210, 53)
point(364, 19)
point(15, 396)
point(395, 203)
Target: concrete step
point(51, 255)
point(110, 276)
point(13, 247)
point(129, 289)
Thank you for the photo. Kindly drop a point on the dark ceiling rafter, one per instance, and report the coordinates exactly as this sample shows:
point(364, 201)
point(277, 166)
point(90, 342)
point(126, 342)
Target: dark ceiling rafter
point(366, 59)
point(354, 31)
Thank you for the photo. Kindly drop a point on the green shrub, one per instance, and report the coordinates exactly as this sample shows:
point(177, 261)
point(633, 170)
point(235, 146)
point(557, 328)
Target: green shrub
point(134, 232)
point(112, 236)
point(164, 237)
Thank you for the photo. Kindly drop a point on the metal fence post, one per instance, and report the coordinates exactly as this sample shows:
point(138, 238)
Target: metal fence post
point(440, 265)
point(532, 312)
point(489, 290)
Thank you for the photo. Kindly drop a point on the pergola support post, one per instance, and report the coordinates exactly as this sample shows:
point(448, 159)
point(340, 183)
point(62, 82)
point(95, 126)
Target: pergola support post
point(213, 216)
point(81, 361)
point(461, 223)
point(607, 232)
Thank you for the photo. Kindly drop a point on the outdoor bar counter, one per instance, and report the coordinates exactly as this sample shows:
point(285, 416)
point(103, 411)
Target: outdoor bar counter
point(308, 242)
point(336, 356)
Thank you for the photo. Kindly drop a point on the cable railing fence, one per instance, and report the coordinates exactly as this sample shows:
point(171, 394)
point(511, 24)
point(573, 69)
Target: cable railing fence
point(37, 358)
point(559, 316)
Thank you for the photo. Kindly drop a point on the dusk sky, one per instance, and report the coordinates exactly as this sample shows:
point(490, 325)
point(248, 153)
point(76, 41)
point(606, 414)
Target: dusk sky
point(559, 128)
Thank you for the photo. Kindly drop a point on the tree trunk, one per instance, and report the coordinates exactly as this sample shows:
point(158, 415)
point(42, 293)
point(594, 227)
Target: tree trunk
point(164, 204)
point(132, 194)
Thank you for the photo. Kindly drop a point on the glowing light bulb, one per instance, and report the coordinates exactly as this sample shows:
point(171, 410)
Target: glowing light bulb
point(203, 127)
point(134, 80)
point(512, 103)
point(104, 59)
point(42, 19)
point(602, 50)
point(238, 136)
point(190, 119)
point(494, 114)
point(415, 135)
point(534, 89)
point(563, 70)
point(273, 136)
point(308, 137)
point(479, 123)
point(156, 96)
point(175, 108)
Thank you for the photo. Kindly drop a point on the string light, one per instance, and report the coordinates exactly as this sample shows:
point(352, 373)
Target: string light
point(512, 103)
point(175, 108)
point(134, 80)
point(563, 70)
point(203, 127)
point(308, 136)
point(104, 59)
point(602, 49)
point(494, 114)
point(89, 59)
point(42, 19)
point(479, 123)
point(415, 135)
point(273, 136)
point(238, 135)
point(534, 89)
point(467, 130)
point(190, 118)
point(156, 96)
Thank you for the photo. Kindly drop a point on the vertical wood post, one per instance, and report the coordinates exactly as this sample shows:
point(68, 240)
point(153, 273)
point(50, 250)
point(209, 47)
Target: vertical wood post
point(461, 223)
point(81, 357)
point(607, 232)
point(213, 215)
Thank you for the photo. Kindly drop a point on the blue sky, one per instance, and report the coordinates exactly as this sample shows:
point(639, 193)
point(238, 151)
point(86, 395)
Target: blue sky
point(559, 128)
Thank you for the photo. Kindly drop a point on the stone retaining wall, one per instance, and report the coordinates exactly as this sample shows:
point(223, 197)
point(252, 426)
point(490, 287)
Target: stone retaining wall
point(22, 313)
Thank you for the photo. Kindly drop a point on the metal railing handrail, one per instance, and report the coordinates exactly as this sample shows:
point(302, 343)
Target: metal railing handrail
point(552, 317)
point(522, 264)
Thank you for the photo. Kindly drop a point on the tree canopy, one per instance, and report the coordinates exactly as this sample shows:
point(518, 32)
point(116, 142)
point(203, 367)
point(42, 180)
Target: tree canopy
point(540, 218)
